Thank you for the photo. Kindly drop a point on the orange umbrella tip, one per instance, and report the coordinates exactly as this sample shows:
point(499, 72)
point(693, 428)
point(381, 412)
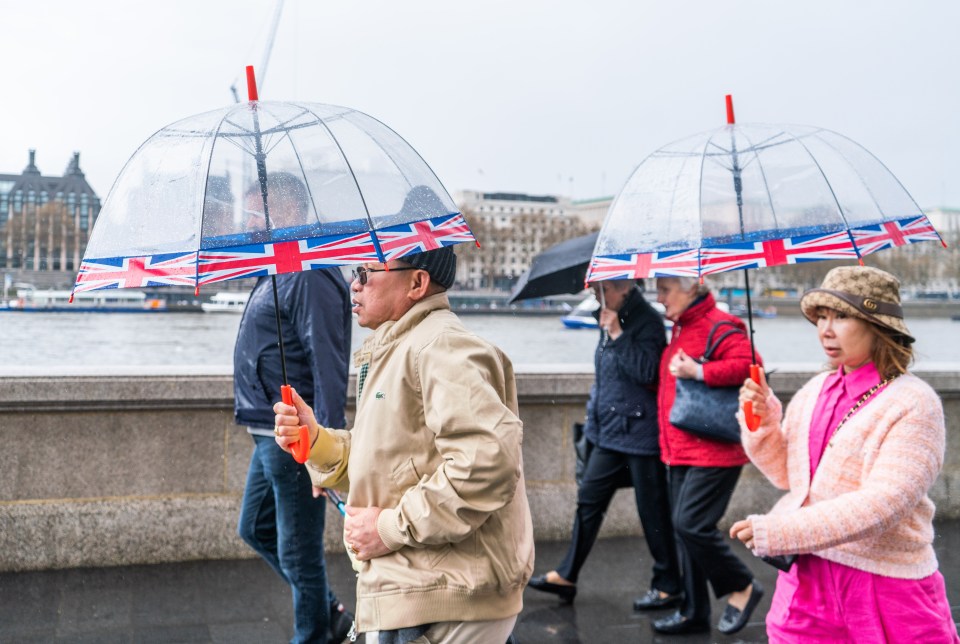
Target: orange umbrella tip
point(251, 84)
point(730, 119)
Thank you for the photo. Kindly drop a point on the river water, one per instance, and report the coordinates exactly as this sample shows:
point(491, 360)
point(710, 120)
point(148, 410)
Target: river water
point(203, 342)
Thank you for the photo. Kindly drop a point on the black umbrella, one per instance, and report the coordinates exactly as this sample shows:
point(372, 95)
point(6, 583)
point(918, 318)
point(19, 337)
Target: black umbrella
point(558, 270)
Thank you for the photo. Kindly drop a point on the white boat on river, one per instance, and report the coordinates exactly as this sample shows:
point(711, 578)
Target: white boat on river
point(581, 317)
point(226, 302)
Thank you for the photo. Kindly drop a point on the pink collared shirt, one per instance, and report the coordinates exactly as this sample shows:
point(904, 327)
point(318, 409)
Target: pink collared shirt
point(840, 392)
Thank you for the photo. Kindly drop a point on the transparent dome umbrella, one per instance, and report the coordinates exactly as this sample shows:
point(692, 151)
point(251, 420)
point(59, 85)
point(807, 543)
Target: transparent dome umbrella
point(264, 188)
point(751, 196)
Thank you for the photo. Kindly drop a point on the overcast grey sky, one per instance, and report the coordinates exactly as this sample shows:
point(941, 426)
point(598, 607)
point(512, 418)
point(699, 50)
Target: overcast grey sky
point(536, 96)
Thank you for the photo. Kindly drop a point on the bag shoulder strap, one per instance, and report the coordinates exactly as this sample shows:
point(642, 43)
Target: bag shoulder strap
point(713, 344)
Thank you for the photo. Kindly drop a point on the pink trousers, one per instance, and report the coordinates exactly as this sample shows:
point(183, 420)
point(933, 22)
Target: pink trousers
point(822, 601)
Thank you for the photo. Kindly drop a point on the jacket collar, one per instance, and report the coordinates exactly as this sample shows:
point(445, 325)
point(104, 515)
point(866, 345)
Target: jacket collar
point(393, 330)
point(698, 309)
point(631, 305)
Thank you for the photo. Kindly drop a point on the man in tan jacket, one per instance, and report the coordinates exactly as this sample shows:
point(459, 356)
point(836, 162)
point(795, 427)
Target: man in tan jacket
point(437, 518)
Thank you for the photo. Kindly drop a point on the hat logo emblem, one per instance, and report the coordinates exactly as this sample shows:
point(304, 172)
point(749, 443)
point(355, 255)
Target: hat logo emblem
point(869, 304)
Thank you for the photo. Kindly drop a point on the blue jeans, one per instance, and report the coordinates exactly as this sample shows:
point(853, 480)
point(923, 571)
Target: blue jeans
point(280, 519)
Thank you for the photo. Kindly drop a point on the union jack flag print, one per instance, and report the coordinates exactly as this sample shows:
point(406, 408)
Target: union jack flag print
point(870, 239)
point(253, 260)
point(421, 236)
point(776, 252)
point(168, 269)
point(680, 263)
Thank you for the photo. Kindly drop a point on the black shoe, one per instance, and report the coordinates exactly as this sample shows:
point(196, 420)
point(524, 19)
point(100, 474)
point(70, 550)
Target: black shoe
point(341, 621)
point(735, 619)
point(652, 599)
point(677, 624)
point(566, 593)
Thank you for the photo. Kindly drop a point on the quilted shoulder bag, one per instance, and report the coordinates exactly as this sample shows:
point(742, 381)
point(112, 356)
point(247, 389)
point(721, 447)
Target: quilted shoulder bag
point(708, 412)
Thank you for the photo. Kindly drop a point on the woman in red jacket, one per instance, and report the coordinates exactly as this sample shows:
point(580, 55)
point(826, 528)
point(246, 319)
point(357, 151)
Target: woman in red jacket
point(702, 472)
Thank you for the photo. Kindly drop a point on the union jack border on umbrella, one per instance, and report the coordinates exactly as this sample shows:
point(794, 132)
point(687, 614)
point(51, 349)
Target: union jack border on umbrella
point(709, 259)
point(207, 266)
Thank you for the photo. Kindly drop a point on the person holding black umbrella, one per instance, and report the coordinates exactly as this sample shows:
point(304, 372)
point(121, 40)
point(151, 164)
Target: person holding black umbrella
point(621, 425)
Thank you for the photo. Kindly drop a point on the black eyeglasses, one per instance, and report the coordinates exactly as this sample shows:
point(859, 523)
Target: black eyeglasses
point(361, 273)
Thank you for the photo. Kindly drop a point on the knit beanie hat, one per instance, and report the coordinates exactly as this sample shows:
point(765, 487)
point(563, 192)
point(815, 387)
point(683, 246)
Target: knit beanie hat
point(440, 263)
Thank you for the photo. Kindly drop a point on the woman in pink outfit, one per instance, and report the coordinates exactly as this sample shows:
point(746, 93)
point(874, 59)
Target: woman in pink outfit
point(857, 450)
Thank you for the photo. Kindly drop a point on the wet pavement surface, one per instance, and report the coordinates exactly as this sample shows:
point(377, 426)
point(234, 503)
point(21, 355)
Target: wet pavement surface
point(244, 601)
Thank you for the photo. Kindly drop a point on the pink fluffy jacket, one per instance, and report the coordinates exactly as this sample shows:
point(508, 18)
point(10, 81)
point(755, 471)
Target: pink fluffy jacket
point(867, 505)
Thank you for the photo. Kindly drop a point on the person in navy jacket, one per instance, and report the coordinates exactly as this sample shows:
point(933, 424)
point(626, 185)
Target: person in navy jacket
point(281, 518)
point(621, 426)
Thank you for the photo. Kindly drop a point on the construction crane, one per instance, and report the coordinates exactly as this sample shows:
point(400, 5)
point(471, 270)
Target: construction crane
point(268, 47)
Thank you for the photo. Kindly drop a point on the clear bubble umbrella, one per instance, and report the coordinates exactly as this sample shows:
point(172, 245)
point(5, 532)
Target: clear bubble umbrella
point(191, 205)
point(264, 188)
point(752, 196)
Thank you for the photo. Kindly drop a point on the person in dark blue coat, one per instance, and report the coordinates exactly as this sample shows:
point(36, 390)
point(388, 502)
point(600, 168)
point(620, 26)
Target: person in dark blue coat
point(281, 517)
point(622, 427)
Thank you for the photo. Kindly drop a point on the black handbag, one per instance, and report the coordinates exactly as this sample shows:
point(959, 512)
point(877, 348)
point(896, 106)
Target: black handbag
point(781, 562)
point(708, 412)
point(582, 447)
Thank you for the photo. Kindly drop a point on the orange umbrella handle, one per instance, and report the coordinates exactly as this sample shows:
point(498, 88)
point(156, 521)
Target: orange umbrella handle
point(753, 421)
point(300, 449)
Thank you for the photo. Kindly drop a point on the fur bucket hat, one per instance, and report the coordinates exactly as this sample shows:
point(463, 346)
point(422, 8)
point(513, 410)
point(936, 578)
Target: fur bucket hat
point(863, 292)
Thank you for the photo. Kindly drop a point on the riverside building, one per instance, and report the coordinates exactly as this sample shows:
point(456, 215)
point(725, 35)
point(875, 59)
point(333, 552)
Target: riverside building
point(513, 228)
point(45, 221)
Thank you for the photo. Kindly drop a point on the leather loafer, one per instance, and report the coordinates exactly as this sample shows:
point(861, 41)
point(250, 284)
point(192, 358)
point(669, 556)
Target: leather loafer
point(566, 593)
point(734, 619)
point(652, 599)
point(677, 624)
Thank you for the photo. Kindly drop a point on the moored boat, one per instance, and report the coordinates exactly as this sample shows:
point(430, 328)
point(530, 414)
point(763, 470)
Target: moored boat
point(32, 300)
point(226, 302)
point(581, 317)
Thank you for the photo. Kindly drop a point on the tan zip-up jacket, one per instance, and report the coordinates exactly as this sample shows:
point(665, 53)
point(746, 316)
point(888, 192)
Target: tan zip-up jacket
point(436, 443)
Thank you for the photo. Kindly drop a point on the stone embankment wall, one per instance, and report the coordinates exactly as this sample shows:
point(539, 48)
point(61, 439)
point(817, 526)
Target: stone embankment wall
point(137, 469)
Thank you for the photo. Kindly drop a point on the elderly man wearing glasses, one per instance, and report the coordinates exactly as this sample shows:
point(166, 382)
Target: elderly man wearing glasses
point(437, 518)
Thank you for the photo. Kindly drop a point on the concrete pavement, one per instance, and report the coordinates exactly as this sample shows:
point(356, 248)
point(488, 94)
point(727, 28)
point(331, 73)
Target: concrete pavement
point(240, 601)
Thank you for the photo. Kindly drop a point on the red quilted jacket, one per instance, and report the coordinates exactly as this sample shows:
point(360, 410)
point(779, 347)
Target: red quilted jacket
point(729, 366)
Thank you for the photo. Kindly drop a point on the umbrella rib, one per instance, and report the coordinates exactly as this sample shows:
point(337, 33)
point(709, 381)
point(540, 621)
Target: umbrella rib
point(703, 158)
point(865, 185)
point(356, 182)
point(303, 171)
point(673, 198)
point(766, 185)
point(390, 156)
point(203, 203)
point(833, 194)
point(723, 152)
point(884, 166)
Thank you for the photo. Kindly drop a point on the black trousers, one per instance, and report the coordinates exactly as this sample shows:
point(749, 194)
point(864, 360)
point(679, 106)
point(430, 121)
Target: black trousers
point(648, 475)
point(699, 497)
